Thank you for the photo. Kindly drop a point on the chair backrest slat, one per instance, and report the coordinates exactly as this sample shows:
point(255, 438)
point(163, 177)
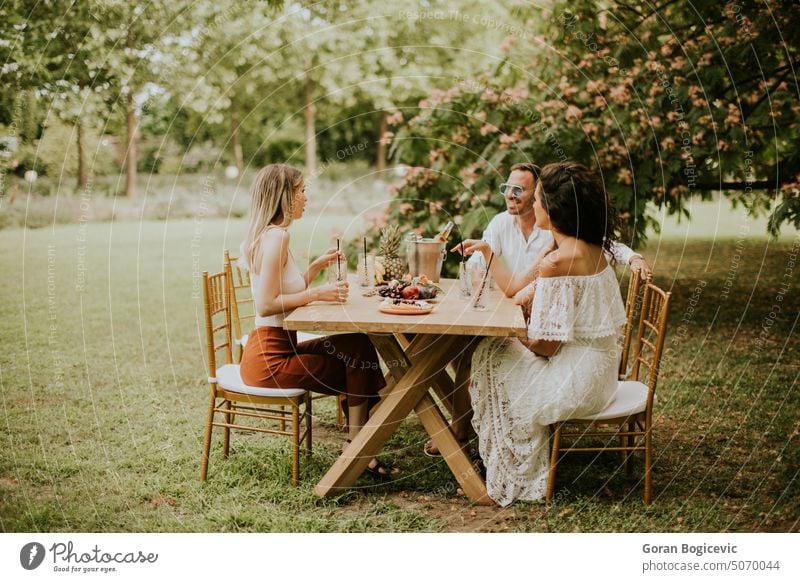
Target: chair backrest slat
point(242, 306)
point(216, 307)
point(648, 350)
point(633, 304)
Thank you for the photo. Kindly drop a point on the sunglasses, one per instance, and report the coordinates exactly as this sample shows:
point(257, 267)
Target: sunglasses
point(514, 190)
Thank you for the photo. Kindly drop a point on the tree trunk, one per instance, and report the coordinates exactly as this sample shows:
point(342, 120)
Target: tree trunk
point(238, 156)
point(83, 177)
point(130, 154)
point(130, 120)
point(311, 134)
point(380, 160)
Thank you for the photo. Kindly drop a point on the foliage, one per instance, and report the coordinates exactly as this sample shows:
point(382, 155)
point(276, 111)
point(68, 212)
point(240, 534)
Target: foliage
point(668, 101)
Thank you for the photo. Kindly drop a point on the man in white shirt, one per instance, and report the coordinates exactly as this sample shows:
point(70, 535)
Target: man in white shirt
point(515, 238)
point(520, 244)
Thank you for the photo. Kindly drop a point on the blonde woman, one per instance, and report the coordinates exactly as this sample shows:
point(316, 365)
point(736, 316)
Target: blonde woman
point(341, 364)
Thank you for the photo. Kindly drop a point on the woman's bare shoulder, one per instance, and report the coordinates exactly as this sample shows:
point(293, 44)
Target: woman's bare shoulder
point(557, 264)
point(275, 238)
point(275, 233)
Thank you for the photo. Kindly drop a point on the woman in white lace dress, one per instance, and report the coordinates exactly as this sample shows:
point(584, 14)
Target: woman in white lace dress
point(568, 365)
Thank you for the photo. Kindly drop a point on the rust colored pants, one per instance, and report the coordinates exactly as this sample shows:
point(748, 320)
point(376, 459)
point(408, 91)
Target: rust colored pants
point(337, 364)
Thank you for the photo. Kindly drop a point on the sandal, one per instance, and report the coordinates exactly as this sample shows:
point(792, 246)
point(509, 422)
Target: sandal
point(381, 471)
point(430, 449)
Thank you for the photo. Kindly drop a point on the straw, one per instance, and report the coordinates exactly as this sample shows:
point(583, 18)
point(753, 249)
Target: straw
point(338, 261)
point(365, 254)
point(477, 299)
point(462, 251)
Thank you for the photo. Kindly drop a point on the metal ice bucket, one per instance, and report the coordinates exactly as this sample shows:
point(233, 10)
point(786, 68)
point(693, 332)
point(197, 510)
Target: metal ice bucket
point(425, 257)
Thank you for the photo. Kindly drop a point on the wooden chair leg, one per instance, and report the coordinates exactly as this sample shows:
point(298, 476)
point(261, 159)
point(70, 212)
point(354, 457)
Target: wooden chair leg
point(631, 444)
point(648, 458)
point(551, 477)
point(226, 432)
point(207, 436)
point(340, 423)
point(622, 443)
point(308, 424)
point(295, 443)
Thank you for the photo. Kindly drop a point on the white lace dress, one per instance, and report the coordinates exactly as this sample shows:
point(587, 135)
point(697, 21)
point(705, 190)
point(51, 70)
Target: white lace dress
point(516, 394)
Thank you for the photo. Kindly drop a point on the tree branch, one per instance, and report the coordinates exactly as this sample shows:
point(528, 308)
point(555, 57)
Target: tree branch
point(746, 112)
point(740, 186)
point(759, 76)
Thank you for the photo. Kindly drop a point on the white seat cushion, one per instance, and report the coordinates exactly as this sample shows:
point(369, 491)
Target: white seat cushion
point(304, 336)
point(228, 377)
point(242, 341)
point(631, 398)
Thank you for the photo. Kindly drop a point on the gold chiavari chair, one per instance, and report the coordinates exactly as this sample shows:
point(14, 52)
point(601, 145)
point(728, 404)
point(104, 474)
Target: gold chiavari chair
point(243, 317)
point(231, 399)
point(629, 417)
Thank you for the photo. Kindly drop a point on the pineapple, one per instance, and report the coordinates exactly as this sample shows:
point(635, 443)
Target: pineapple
point(389, 254)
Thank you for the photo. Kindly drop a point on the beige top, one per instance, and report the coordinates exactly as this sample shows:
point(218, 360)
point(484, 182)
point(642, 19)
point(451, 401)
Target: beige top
point(292, 281)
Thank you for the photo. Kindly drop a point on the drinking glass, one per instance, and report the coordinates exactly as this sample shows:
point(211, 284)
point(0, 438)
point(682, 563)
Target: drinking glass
point(338, 272)
point(476, 275)
point(464, 284)
point(366, 270)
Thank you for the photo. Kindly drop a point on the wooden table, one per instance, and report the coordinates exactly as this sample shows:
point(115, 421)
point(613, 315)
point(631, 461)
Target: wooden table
point(416, 349)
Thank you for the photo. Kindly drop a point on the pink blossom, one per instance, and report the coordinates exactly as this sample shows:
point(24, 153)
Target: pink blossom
point(506, 45)
point(677, 63)
point(395, 118)
point(734, 116)
point(490, 96)
point(620, 94)
point(487, 128)
point(590, 127)
point(573, 112)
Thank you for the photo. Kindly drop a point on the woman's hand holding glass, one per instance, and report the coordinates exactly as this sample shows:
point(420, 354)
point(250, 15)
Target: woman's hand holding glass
point(327, 258)
point(336, 292)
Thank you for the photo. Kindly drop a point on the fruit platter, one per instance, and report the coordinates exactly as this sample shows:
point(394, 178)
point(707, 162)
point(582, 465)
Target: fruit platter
point(410, 288)
point(405, 306)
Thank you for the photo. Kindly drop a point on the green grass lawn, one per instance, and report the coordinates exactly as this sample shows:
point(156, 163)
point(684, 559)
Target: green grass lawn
point(103, 396)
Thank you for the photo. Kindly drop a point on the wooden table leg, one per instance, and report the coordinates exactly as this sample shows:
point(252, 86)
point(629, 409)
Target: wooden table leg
point(459, 463)
point(428, 353)
point(393, 349)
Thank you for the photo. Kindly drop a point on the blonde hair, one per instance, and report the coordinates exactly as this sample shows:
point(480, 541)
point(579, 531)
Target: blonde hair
point(271, 204)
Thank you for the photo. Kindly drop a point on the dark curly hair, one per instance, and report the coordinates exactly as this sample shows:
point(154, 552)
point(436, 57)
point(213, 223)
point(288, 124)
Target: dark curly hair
point(577, 203)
